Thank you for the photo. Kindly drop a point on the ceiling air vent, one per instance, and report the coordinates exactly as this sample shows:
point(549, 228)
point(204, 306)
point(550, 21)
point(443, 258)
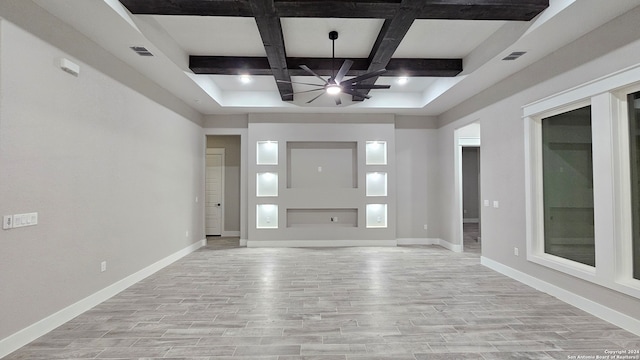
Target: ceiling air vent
point(514, 55)
point(141, 50)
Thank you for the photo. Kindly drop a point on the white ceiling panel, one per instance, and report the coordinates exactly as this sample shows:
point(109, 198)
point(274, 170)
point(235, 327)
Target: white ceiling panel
point(221, 36)
point(309, 37)
point(235, 83)
point(445, 38)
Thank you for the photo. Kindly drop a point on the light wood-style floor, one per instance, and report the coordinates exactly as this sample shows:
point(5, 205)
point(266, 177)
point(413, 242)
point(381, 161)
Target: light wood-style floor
point(414, 302)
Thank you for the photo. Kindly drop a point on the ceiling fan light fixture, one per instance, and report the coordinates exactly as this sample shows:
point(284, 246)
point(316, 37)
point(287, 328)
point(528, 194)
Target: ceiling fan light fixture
point(334, 89)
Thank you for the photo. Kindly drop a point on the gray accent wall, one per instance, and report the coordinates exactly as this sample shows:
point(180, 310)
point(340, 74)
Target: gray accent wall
point(112, 174)
point(417, 173)
point(315, 129)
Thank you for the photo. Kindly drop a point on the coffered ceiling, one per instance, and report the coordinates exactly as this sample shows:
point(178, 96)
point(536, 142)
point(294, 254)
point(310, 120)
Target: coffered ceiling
point(226, 56)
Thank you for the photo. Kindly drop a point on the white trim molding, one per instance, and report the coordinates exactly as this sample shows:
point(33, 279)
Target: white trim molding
point(430, 241)
point(230, 233)
point(605, 313)
point(42, 327)
point(319, 243)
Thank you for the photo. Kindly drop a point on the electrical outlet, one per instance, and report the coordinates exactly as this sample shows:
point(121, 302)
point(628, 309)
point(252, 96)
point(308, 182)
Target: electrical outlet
point(7, 222)
point(516, 252)
point(187, 233)
point(103, 266)
point(334, 219)
point(426, 227)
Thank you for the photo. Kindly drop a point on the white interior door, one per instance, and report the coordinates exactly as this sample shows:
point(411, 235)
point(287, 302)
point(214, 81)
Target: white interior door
point(214, 193)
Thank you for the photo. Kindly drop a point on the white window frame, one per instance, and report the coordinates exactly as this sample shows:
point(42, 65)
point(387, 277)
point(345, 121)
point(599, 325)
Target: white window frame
point(611, 179)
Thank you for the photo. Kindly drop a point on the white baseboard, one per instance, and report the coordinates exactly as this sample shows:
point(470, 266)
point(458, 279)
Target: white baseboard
point(471, 220)
point(42, 327)
point(230, 233)
point(243, 242)
point(605, 313)
point(453, 247)
point(319, 243)
point(430, 241)
point(418, 241)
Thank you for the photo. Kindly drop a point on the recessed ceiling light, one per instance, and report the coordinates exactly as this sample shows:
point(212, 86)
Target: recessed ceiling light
point(402, 80)
point(245, 79)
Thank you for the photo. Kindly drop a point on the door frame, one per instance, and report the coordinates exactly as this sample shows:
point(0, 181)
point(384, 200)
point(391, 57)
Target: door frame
point(243, 132)
point(215, 151)
point(460, 142)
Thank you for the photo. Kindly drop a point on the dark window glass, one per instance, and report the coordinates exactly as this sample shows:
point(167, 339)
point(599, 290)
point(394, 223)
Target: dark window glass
point(634, 140)
point(567, 164)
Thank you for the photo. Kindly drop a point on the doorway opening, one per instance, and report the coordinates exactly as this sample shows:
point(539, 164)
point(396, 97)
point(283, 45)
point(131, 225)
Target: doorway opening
point(471, 198)
point(222, 186)
point(468, 189)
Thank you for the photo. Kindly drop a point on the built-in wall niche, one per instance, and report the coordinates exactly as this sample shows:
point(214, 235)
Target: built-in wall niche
point(376, 153)
point(267, 184)
point(322, 165)
point(376, 215)
point(377, 184)
point(267, 153)
point(267, 216)
point(322, 217)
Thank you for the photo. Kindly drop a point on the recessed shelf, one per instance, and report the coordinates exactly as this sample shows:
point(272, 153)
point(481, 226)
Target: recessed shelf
point(322, 165)
point(267, 153)
point(377, 184)
point(376, 215)
point(322, 217)
point(267, 184)
point(267, 216)
point(376, 153)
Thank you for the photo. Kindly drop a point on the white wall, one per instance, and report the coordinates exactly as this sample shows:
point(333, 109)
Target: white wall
point(112, 175)
point(608, 49)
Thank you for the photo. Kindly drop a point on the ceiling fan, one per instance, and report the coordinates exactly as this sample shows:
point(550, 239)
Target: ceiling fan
point(336, 83)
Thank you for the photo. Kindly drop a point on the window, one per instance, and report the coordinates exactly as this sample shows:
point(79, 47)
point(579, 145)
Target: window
point(582, 174)
point(567, 183)
point(633, 101)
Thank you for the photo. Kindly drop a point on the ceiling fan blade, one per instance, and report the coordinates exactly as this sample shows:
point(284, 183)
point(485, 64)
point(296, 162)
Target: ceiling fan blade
point(337, 99)
point(301, 83)
point(306, 68)
point(369, 87)
point(365, 76)
point(322, 93)
point(344, 69)
point(356, 93)
point(302, 92)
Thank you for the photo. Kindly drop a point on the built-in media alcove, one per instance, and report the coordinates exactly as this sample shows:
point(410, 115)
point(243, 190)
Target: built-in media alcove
point(322, 217)
point(322, 165)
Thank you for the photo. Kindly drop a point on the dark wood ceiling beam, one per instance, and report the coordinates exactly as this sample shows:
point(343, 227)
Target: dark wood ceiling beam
point(389, 38)
point(515, 10)
point(338, 9)
point(271, 33)
point(241, 8)
point(235, 65)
